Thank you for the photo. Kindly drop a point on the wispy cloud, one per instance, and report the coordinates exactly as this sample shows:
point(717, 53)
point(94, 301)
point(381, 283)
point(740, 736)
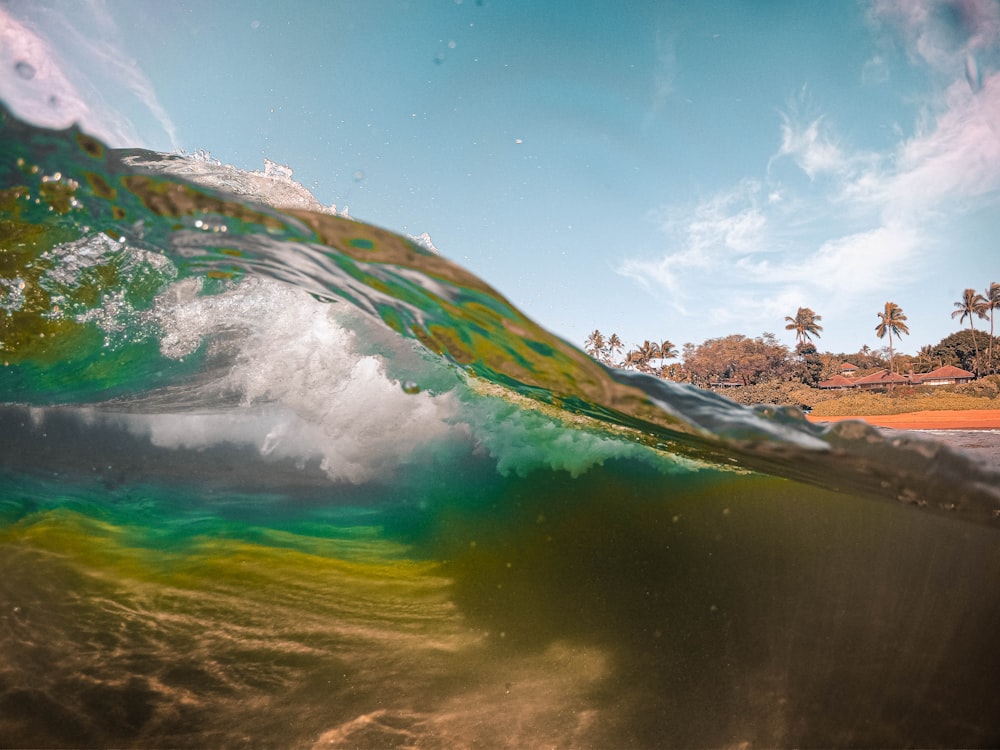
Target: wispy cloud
point(664, 74)
point(808, 140)
point(954, 160)
point(942, 33)
point(861, 222)
point(726, 226)
point(811, 148)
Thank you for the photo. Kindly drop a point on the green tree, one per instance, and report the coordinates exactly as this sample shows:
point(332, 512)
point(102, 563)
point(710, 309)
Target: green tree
point(738, 358)
point(927, 360)
point(805, 324)
point(812, 365)
point(956, 349)
point(971, 305)
point(891, 321)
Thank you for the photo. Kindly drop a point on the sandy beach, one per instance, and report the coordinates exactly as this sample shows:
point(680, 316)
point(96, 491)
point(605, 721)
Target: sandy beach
point(929, 420)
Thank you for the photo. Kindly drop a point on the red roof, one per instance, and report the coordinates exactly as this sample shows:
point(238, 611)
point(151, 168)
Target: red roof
point(948, 372)
point(882, 377)
point(848, 366)
point(837, 381)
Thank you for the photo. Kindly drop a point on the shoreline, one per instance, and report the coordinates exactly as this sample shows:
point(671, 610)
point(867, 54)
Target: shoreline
point(945, 419)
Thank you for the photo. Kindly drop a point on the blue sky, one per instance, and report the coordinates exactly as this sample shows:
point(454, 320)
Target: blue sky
point(660, 169)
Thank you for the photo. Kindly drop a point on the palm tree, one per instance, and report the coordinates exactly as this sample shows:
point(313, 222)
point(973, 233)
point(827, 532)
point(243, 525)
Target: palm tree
point(641, 357)
point(633, 360)
point(614, 345)
point(993, 303)
point(595, 345)
point(805, 324)
point(891, 321)
point(649, 351)
point(972, 304)
point(668, 350)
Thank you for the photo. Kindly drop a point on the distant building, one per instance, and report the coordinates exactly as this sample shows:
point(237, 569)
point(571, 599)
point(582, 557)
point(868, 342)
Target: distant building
point(837, 381)
point(947, 375)
point(881, 379)
point(848, 369)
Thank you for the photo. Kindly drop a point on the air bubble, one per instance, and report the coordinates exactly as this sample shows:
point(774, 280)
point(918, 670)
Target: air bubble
point(25, 70)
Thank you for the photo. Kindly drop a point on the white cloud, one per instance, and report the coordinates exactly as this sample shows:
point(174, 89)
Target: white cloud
point(871, 224)
point(811, 147)
point(875, 70)
point(851, 265)
point(739, 231)
point(956, 159)
point(726, 226)
point(729, 221)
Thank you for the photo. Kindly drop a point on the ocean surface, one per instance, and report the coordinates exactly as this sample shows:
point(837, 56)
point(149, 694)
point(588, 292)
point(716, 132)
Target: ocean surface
point(271, 477)
point(983, 444)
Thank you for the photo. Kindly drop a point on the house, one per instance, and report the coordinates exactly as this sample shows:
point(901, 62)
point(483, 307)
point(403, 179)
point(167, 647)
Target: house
point(849, 369)
point(947, 375)
point(837, 381)
point(881, 379)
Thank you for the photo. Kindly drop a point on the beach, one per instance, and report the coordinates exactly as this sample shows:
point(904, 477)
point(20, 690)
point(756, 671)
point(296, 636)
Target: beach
point(972, 431)
point(970, 419)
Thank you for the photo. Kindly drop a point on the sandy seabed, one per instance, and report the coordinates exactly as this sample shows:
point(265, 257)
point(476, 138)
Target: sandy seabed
point(971, 419)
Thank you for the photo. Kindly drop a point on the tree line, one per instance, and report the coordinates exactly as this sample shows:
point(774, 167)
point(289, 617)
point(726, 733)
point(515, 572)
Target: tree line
point(741, 360)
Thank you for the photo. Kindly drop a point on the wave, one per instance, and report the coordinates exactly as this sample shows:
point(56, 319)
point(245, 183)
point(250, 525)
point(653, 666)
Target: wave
point(270, 475)
point(194, 268)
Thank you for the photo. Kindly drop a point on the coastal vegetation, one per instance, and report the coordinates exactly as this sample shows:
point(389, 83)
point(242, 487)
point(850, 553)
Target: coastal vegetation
point(762, 370)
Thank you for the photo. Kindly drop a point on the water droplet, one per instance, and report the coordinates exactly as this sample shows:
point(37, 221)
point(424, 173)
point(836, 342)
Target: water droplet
point(972, 74)
point(359, 176)
point(25, 69)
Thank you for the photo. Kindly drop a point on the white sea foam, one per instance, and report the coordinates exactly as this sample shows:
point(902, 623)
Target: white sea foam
point(307, 390)
point(320, 382)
